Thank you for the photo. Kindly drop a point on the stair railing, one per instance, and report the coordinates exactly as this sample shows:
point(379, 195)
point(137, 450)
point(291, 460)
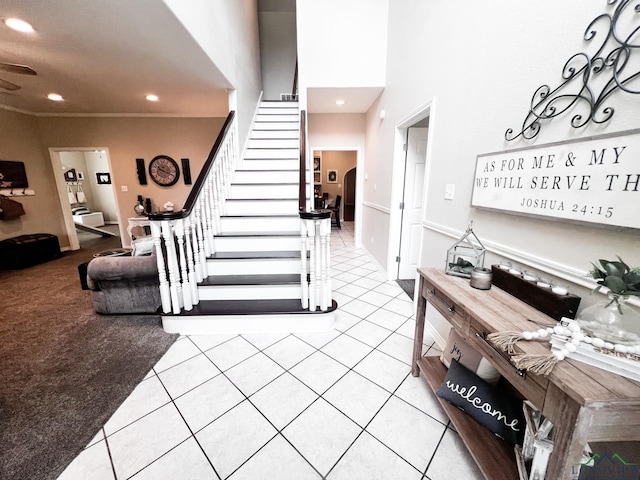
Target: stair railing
point(315, 234)
point(184, 239)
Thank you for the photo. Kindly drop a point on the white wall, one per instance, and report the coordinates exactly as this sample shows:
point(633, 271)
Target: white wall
point(227, 30)
point(482, 62)
point(277, 52)
point(342, 43)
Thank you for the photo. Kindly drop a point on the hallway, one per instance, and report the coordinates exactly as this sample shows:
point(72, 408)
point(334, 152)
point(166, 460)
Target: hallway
point(337, 405)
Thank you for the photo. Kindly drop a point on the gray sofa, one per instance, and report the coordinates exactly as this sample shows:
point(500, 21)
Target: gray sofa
point(124, 284)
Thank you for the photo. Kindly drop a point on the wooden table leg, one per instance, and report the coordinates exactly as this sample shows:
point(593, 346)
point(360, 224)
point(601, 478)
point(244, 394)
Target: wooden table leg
point(570, 432)
point(419, 334)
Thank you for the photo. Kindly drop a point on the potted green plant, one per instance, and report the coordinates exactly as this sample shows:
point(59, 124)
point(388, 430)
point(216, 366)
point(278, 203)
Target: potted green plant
point(614, 320)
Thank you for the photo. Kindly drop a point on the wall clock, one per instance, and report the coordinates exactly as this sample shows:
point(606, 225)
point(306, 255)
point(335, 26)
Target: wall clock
point(164, 171)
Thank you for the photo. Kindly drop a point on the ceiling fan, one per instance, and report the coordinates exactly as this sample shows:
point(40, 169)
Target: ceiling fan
point(14, 68)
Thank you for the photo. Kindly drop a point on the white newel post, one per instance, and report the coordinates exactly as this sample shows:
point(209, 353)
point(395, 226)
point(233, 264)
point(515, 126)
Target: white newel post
point(165, 295)
point(325, 279)
point(172, 266)
point(315, 231)
point(304, 247)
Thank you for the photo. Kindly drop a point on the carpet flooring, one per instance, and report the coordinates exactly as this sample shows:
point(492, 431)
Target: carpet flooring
point(64, 369)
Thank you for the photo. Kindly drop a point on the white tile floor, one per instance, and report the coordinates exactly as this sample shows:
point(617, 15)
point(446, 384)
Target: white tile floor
point(337, 405)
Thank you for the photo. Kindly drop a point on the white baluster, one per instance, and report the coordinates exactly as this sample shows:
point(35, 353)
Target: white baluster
point(318, 270)
point(201, 243)
point(172, 265)
point(208, 220)
point(185, 286)
point(165, 295)
point(325, 231)
point(191, 266)
point(303, 261)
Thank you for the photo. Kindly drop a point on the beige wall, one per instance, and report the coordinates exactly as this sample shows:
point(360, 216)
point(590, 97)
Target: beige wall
point(342, 161)
point(20, 141)
point(28, 139)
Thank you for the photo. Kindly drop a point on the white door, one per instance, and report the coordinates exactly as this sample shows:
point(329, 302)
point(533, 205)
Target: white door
point(412, 199)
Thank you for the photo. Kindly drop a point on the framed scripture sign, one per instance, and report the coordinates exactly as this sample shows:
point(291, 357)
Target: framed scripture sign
point(595, 180)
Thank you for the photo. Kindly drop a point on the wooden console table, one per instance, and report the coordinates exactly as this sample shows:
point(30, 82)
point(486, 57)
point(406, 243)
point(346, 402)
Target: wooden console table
point(583, 402)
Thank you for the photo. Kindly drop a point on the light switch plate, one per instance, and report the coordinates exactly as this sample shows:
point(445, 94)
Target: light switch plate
point(449, 190)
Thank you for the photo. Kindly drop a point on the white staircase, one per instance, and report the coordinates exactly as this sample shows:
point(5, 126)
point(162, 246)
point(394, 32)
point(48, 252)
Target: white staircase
point(253, 280)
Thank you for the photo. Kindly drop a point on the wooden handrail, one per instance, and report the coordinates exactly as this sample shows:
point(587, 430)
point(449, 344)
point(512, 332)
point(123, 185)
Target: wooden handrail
point(302, 191)
point(202, 177)
point(294, 89)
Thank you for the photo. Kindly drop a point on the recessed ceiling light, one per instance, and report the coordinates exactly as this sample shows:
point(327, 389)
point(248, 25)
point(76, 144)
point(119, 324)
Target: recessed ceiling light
point(19, 25)
point(55, 97)
point(340, 102)
point(152, 98)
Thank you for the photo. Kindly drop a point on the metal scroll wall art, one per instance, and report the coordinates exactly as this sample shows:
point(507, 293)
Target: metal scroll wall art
point(590, 79)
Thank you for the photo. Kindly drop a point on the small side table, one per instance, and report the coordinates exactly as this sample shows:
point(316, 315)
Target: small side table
point(142, 222)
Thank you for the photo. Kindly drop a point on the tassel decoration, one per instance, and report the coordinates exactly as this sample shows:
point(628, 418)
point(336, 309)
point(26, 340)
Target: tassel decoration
point(539, 364)
point(505, 341)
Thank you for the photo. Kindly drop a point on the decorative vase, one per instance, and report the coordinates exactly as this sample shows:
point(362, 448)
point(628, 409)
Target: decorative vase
point(612, 320)
point(139, 207)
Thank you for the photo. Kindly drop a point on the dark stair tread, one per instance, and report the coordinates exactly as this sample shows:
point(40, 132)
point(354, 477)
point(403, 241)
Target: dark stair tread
point(265, 183)
point(266, 279)
point(261, 199)
point(261, 170)
point(255, 255)
point(251, 307)
point(263, 215)
point(258, 234)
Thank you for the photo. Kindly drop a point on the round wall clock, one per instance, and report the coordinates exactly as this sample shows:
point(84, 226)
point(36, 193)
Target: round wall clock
point(164, 170)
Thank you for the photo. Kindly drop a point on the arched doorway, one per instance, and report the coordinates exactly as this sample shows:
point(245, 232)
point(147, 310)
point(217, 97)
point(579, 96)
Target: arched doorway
point(349, 196)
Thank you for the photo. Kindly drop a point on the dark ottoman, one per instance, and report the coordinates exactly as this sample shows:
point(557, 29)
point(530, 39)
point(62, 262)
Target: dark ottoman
point(27, 250)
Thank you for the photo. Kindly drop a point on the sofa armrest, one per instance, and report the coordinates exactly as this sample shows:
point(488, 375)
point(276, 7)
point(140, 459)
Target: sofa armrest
point(122, 268)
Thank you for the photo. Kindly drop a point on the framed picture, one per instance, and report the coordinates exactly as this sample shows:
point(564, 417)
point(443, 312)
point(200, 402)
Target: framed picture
point(332, 176)
point(316, 164)
point(317, 179)
point(13, 174)
point(103, 178)
point(71, 175)
point(80, 175)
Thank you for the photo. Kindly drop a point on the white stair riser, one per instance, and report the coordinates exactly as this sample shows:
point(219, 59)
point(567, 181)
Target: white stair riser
point(271, 164)
point(260, 224)
point(272, 207)
point(274, 143)
point(275, 134)
point(262, 110)
point(264, 191)
point(272, 125)
point(287, 103)
point(260, 266)
point(249, 243)
point(289, 118)
point(275, 153)
point(267, 176)
point(249, 292)
point(245, 324)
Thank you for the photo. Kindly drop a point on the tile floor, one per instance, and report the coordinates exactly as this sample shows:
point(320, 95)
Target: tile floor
point(337, 405)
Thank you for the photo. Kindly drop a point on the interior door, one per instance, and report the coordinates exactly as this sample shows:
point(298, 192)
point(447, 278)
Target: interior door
point(413, 194)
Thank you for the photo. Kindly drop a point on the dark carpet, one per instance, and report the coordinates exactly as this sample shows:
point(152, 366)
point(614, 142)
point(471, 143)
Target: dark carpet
point(64, 370)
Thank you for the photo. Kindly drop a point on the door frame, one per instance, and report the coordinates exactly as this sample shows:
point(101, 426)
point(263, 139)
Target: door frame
point(427, 109)
point(357, 220)
point(63, 198)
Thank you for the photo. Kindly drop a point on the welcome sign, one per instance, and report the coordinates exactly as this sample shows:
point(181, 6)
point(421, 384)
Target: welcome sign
point(594, 180)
